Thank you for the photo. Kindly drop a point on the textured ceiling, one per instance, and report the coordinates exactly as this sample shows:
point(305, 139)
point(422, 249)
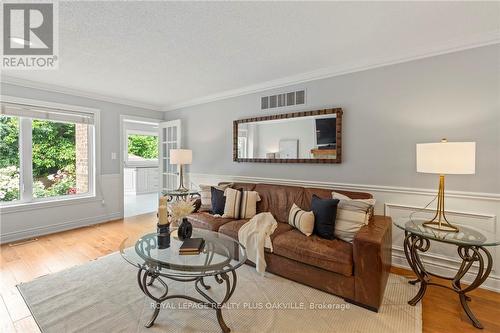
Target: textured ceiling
point(166, 53)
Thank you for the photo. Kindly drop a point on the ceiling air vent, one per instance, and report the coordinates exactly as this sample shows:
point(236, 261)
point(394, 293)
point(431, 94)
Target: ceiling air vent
point(282, 100)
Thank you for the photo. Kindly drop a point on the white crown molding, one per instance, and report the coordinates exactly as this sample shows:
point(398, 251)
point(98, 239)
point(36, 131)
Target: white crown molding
point(469, 42)
point(76, 92)
point(473, 41)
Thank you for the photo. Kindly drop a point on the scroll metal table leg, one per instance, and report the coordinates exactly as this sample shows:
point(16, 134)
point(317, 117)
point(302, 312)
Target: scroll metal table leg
point(414, 282)
point(412, 245)
point(469, 255)
point(229, 292)
point(206, 286)
point(230, 285)
point(151, 280)
point(142, 279)
point(154, 316)
point(407, 244)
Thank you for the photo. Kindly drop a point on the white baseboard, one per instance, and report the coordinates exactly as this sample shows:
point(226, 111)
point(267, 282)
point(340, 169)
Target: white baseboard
point(49, 229)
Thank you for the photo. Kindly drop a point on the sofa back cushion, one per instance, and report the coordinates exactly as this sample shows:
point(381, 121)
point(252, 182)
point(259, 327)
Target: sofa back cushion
point(325, 213)
point(206, 195)
point(278, 199)
point(240, 204)
point(301, 220)
point(218, 200)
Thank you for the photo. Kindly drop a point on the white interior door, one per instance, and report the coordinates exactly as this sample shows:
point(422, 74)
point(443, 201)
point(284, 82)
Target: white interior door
point(170, 138)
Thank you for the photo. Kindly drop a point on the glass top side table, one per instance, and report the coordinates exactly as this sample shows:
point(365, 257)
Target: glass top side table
point(471, 247)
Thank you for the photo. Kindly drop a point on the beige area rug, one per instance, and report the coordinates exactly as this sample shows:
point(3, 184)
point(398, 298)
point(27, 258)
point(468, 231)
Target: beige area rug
point(103, 296)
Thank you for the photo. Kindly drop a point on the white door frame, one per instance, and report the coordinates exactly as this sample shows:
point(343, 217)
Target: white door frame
point(123, 119)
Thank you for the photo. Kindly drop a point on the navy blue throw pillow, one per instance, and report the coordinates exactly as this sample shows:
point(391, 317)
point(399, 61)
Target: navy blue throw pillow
point(325, 213)
point(218, 201)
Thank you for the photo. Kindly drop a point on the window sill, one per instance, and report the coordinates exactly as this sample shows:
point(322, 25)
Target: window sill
point(35, 205)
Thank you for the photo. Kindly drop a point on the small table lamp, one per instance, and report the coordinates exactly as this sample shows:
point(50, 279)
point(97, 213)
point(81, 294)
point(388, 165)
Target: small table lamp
point(445, 158)
point(181, 157)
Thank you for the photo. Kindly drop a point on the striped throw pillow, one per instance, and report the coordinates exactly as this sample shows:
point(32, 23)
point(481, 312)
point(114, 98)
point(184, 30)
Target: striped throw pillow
point(302, 220)
point(352, 215)
point(206, 195)
point(240, 204)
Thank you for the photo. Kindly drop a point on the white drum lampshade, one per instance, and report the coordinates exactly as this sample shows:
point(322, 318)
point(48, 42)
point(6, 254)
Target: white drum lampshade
point(181, 156)
point(445, 158)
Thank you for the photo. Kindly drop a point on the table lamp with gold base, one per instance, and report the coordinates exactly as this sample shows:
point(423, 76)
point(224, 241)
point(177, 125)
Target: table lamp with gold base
point(445, 158)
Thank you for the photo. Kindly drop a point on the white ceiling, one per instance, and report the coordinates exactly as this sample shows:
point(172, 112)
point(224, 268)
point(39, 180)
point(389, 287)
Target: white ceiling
point(164, 55)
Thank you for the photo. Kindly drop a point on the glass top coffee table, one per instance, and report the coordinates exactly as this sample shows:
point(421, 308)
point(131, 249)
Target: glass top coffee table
point(219, 258)
point(471, 247)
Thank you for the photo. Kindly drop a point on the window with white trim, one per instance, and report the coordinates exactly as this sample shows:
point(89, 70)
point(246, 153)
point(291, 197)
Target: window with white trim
point(45, 154)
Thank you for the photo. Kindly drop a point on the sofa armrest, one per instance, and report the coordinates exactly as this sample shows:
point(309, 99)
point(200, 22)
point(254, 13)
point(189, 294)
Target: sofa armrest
point(372, 261)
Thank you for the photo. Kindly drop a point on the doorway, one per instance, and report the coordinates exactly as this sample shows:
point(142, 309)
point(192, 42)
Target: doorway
point(140, 165)
point(145, 155)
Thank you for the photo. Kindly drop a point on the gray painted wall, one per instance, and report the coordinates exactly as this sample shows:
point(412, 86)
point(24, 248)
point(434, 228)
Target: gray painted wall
point(110, 118)
point(386, 112)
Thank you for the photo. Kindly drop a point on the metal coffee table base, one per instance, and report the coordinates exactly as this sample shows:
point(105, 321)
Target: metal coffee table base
point(469, 254)
point(146, 277)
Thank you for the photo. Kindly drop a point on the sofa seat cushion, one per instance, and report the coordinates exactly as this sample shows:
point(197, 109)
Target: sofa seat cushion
point(332, 255)
point(205, 220)
point(231, 229)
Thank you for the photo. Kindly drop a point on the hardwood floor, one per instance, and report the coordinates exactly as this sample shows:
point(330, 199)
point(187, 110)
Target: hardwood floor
point(442, 312)
point(52, 253)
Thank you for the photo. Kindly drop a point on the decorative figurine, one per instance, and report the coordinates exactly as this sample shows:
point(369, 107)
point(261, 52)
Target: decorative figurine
point(185, 229)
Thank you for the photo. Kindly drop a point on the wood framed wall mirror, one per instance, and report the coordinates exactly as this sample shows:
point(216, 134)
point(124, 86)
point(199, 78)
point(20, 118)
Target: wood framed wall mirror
point(299, 137)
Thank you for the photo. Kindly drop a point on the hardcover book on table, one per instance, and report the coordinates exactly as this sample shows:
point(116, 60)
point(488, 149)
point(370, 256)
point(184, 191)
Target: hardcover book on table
point(192, 246)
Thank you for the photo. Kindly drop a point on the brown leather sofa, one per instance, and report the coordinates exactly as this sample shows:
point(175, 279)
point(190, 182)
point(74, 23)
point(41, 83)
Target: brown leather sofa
point(356, 271)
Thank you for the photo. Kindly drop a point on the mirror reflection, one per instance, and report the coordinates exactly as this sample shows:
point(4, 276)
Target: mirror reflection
point(309, 137)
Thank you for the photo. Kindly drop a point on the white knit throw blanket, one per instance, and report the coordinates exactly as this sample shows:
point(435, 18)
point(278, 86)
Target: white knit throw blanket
point(255, 235)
